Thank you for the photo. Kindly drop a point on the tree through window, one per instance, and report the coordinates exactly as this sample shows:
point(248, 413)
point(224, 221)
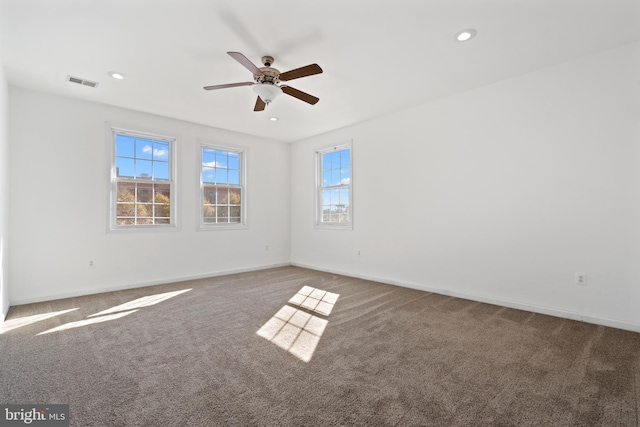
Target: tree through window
point(222, 186)
point(142, 180)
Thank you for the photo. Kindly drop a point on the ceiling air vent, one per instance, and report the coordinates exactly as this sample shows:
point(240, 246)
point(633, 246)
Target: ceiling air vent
point(80, 81)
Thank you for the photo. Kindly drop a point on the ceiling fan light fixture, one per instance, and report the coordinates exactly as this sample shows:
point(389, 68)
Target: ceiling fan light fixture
point(267, 92)
point(466, 35)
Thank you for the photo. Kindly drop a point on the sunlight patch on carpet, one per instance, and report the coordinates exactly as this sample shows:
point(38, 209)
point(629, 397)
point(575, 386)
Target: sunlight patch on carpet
point(9, 325)
point(86, 322)
point(313, 299)
point(118, 311)
point(298, 331)
point(141, 302)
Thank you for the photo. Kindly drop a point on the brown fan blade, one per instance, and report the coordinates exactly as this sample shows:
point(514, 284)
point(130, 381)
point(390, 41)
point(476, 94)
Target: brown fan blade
point(300, 95)
point(259, 105)
point(309, 70)
point(227, 85)
point(247, 64)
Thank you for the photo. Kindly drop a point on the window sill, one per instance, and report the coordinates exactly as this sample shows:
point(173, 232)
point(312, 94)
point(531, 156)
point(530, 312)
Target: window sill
point(143, 229)
point(221, 227)
point(333, 226)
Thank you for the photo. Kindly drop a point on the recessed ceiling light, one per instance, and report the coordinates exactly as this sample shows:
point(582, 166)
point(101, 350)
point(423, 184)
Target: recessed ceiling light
point(273, 119)
point(466, 35)
point(115, 75)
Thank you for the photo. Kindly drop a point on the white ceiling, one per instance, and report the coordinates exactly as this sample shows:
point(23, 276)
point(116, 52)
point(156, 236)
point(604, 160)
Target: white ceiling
point(378, 57)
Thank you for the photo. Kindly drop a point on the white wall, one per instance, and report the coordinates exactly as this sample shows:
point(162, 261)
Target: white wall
point(4, 196)
point(59, 204)
point(499, 194)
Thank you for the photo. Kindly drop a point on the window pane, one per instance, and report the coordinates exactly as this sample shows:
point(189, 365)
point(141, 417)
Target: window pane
point(208, 175)
point(335, 196)
point(144, 221)
point(124, 167)
point(209, 196)
point(126, 192)
point(161, 211)
point(345, 158)
point(125, 209)
point(221, 176)
point(234, 196)
point(144, 148)
point(326, 197)
point(208, 157)
point(162, 193)
point(144, 194)
point(326, 161)
point(209, 212)
point(144, 210)
point(124, 146)
point(335, 160)
point(234, 177)
point(222, 196)
point(234, 211)
point(161, 170)
point(163, 221)
point(221, 159)
point(160, 150)
point(326, 178)
point(223, 212)
point(144, 169)
point(345, 176)
point(344, 196)
point(335, 177)
point(234, 161)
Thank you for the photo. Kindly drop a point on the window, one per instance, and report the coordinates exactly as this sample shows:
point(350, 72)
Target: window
point(222, 187)
point(142, 182)
point(334, 187)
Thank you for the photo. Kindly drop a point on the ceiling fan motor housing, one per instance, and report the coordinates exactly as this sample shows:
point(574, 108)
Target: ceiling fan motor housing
point(270, 76)
point(266, 81)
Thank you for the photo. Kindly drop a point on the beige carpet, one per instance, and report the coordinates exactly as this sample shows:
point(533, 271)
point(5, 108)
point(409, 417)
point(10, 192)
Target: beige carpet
point(295, 347)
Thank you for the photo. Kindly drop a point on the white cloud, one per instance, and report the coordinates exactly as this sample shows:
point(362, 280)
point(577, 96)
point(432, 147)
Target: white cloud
point(214, 164)
point(345, 181)
point(157, 152)
point(160, 152)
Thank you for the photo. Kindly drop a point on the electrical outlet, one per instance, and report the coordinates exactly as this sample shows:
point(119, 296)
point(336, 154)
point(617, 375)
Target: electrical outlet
point(90, 263)
point(266, 248)
point(359, 254)
point(581, 279)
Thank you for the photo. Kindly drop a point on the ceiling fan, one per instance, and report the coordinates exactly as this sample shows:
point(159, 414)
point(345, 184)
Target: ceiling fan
point(267, 79)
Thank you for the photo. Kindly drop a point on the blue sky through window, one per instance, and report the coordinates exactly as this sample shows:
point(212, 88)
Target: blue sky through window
point(142, 158)
point(220, 167)
point(336, 168)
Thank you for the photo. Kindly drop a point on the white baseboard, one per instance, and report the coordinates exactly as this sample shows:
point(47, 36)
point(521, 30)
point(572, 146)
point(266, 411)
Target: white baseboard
point(79, 293)
point(495, 301)
point(473, 297)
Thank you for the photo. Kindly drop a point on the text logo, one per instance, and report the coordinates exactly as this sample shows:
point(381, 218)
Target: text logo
point(34, 415)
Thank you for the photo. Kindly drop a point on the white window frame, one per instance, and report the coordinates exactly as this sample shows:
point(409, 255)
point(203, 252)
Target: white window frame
point(320, 187)
point(113, 131)
point(242, 152)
